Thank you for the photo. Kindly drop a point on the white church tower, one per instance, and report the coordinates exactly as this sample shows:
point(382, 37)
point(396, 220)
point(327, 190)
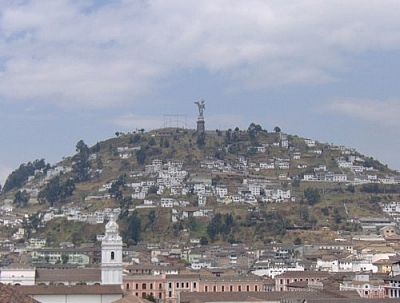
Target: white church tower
point(111, 255)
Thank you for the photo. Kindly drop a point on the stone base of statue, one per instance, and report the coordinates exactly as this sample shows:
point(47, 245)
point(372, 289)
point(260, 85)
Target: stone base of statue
point(200, 126)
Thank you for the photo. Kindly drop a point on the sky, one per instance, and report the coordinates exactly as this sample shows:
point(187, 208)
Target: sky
point(75, 70)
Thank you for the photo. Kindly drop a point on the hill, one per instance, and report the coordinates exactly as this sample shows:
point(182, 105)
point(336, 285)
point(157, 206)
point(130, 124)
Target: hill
point(177, 185)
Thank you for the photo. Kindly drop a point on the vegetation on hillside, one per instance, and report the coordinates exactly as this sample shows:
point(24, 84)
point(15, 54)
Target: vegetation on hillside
point(120, 161)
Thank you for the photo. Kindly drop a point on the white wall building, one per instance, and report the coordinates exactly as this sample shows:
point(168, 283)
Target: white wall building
point(18, 274)
point(111, 255)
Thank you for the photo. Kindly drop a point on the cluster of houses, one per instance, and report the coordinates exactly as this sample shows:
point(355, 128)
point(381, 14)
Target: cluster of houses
point(392, 209)
point(347, 267)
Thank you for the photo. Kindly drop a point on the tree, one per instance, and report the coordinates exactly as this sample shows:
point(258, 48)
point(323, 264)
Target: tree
point(152, 141)
point(252, 130)
point(325, 211)
point(135, 139)
point(153, 189)
point(277, 129)
point(351, 188)
point(99, 163)
point(141, 156)
point(297, 241)
point(203, 241)
point(19, 176)
point(312, 195)
point(132, 231)
point(64, 258)
point(304, 213)
point(56, 190)
point(82, 166)
point(220, 224)
point(21, 198)
point(116, 190)
point(192, 223)
point(165, 143)
point(95, 148)
point(151, 217)
point(228, 137)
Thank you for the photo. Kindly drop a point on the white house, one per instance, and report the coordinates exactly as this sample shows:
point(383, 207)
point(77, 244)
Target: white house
point(18, 274)
point(221, 191)
point(309, 142)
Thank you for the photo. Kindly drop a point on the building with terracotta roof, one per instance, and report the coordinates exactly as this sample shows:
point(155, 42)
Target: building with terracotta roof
point(11, 294)
point(283, 280)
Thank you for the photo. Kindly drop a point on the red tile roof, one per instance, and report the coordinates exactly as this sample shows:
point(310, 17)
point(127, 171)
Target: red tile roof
point(11, 294)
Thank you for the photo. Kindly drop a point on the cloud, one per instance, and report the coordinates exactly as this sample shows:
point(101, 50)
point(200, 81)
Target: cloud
point(379, 112)
point(81, 54)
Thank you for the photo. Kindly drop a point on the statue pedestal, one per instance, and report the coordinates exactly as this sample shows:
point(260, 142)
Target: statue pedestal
point(200, 126)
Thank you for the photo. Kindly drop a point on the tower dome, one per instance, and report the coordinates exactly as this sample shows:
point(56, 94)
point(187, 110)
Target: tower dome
point(112, 226)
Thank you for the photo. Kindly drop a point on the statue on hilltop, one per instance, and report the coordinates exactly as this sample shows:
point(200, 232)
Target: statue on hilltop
point(201, 106)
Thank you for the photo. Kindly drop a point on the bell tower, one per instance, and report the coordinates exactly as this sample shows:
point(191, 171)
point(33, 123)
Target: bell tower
point(111, 255)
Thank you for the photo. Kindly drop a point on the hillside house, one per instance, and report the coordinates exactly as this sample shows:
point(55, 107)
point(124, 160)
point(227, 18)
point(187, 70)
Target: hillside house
point(267, 165)
point(221, 191)
point(296, 156)
point(276, 195)
point(310, 142)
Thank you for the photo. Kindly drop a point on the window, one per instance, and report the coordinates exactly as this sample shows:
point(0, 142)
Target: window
point(151, 285)
point(247, 288)
point(206, 288)
point(136, 294)
point(230, 288)
point(222, 288)
point(187, 284)
point(160, 295)
point(170, 294)
point(137, 286)
point(194, 285)
point(127, 285)
point(143, 295)
point(112, 255)
point(240, 288)
point(182, 285)
point(143, 285)
point(214, 288)
point(160, 286)
point(255, 288)
point(170, 285)
point(177, 284)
